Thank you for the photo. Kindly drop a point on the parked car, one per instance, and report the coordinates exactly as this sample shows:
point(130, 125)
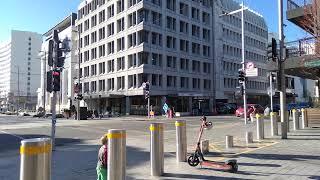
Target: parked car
point(250, 107)
point(223, 108)
point(50, 114)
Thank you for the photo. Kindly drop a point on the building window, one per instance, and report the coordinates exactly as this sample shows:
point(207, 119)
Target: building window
point(102, 85)
point(171, 23)
point(101, 33)
point(102, 68)
point(110, 11)
point(102, 16)
point(120, 24)
point(171, 42)
point(120, 64)
point(171, 4)
point(120, 44)
point(171, 62)
point(94, 20)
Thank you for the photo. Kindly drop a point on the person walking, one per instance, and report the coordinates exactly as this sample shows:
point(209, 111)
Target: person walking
point(102, 165)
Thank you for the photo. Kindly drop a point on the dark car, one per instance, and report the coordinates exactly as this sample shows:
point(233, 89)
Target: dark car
point(223, 108)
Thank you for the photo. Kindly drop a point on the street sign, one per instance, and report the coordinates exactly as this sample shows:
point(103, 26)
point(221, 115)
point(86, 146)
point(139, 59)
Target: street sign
point(250, 65)
point(252, 72)
point(165, 107)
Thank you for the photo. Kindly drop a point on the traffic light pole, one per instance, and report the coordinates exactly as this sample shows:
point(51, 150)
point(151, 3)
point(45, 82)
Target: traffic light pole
point(79, 75)
point(149, 107)
point(271, 92)
point(281, 75)
point(54, 96)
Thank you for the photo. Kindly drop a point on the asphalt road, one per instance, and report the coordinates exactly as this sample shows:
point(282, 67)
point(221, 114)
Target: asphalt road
point(15, 128)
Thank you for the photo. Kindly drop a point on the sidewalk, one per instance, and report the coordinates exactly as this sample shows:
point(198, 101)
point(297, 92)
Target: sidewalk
point(295, 158)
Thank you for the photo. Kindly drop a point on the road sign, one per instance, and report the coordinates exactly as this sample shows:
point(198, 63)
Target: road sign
point(250, 65)
point(252, 72)
point(165, 107)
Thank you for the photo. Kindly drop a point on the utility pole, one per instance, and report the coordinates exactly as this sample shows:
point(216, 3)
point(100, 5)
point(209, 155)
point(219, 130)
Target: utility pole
point(271, 91)
point(243, 66)
point(281, 75)
point(18, 105)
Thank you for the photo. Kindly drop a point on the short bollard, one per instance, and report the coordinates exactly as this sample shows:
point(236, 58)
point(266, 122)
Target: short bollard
point(260, 127)
point(181, 140)
point(117, 159)
point(204, 144)
point(157, 148)
point(251, 117)
point(35, 159)
point(295, 120)
point(304, 118)
point(249, 137)
point(229, 141)
point(274, 123)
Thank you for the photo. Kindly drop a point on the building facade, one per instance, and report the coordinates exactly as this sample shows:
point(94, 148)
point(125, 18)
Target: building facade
point(65, 97)
point(228, 55)
point(128, 42)
point(19, 71)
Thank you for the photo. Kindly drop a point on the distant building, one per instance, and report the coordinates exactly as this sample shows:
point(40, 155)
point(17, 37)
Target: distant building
point(126, 43)
point(228, 55)
point(65, 97)
point(20, 71)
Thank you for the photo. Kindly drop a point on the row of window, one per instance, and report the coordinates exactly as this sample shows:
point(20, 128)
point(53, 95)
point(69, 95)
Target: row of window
point(138, 38)
point(236, 52)
point(171, 24)
point(236, 21)
point(235, 36)
point(233, 83)
point(156, 80)
point(137, 59)
point(234, 67)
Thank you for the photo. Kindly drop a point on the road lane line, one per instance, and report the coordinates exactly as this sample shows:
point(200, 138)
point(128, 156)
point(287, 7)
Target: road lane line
point(21, 138)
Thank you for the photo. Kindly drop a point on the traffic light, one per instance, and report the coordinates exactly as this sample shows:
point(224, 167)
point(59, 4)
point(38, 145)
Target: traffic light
point(50, 52)
point(242, 76)
point(240, 92)
point(147, 88)
point(147, 95)
point(79, 97)
point(56, 80)
point(272, 50)
point(49, 81)
point(60, 55)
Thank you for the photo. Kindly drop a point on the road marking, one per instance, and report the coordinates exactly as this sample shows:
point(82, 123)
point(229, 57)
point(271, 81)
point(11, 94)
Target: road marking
point(243, 152)
point(21, 138)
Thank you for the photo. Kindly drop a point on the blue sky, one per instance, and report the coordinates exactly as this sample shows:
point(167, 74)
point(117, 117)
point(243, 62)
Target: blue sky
point(41, 15)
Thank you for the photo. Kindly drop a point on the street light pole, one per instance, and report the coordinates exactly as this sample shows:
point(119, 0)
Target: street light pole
point(79, 75)
point(243, 65)
point(243, 56)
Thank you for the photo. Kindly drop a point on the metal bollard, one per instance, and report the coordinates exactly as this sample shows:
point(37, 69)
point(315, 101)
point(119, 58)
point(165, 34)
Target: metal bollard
point(249, 137)
point(304, 118)
point(260, 127)
point(295, 120)
point(157, 148)
point(117, 154)
point(274, 123)
point(181, 140)
point(35, 159)
point(229, 141)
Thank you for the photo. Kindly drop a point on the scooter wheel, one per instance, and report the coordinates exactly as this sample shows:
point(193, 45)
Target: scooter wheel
point(234, 167)
point(193, 160)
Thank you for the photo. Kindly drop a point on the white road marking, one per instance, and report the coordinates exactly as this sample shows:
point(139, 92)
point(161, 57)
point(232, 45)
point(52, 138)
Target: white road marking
point(21, 138)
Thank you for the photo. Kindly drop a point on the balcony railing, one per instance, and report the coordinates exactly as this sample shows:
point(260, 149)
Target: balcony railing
point(294, 4)
point(302, 47)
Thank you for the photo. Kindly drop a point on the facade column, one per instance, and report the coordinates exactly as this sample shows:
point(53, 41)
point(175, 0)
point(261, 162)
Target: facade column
point(190, 104)
point(128, 105)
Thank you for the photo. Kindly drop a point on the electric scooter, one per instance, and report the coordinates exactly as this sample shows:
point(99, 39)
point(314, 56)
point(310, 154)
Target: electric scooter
point(198, 158)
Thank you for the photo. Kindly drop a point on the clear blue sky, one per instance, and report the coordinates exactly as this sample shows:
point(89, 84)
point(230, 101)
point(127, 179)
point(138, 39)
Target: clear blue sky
point(40, 15)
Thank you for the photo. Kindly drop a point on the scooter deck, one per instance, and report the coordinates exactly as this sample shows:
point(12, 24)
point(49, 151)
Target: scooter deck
point(216, 165)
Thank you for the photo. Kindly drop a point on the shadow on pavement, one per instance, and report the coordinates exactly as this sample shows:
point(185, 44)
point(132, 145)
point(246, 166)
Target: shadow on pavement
point(260, 164)
point(194, 176)
point(9, 142)
point(280, 157)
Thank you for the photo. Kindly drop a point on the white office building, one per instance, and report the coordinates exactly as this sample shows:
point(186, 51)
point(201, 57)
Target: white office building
point(19, 71)
point(228, 49)
point(125, 43)
point(65, 97)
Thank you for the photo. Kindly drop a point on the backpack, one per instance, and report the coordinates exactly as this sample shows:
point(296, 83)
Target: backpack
point(105, 157)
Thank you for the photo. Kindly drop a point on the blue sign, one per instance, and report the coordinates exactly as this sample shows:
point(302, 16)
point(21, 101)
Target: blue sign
point(165, 107)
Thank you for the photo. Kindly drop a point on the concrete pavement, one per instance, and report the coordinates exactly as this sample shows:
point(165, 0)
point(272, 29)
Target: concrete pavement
point(76, 154)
